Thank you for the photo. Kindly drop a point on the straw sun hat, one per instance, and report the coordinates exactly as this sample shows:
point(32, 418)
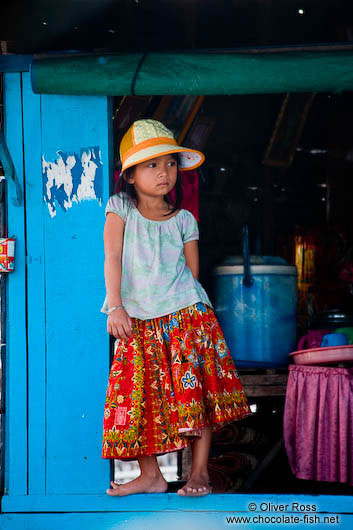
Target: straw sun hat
point(148, 139)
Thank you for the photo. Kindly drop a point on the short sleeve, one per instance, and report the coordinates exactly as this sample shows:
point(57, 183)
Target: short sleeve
point(189, 228)
point(119, 204)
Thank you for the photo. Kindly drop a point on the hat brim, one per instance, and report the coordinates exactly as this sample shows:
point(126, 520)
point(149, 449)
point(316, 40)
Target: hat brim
point(189, 158)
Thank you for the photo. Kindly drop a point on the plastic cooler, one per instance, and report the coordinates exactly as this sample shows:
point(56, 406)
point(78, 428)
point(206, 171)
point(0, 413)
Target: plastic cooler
point(256, 304)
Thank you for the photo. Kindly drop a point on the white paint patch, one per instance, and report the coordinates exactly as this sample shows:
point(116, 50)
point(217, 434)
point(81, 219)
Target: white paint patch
point(72, 178)
point(58, 175)
point(86, 188)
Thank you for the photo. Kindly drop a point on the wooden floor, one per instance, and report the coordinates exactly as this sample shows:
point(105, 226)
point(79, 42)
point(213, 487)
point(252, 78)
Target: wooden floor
point(170, 512)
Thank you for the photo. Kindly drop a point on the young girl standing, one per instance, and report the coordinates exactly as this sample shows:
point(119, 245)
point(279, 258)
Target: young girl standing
point(172, 379)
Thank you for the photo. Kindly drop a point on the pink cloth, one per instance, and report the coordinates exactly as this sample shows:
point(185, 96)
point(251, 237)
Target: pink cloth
point(190, 185)
point(318, 423)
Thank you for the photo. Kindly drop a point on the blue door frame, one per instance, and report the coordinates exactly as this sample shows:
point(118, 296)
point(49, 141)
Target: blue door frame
point(57, 356)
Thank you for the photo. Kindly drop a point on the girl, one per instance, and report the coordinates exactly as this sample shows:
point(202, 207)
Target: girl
point(172, 379)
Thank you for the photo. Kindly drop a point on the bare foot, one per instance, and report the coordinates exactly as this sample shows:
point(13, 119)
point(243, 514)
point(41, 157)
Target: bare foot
point(196, 486)
point(141, 484)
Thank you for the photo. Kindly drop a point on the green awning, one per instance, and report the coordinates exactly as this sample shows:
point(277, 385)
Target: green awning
point(194, 73)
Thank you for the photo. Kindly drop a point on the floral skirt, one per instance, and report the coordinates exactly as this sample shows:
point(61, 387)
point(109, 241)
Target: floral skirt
point(173, 377)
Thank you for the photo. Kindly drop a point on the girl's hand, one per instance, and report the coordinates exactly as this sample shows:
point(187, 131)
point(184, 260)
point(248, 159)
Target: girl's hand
point(119, 324)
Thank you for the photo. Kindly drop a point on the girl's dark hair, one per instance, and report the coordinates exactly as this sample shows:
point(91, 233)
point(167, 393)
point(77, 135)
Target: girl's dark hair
point(123, 185)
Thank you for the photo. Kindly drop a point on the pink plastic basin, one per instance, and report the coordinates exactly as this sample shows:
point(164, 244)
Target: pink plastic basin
point(330, 355)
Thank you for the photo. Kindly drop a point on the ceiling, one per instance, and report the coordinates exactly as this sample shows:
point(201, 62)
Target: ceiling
point(39, 26)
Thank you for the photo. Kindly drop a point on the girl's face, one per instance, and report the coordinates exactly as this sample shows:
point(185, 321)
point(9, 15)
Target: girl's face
point(155, 177)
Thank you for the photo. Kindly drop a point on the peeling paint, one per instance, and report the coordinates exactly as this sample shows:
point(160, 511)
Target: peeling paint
point(72, 178)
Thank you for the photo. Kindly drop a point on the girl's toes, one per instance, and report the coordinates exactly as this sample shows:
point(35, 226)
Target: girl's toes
point(113, 489)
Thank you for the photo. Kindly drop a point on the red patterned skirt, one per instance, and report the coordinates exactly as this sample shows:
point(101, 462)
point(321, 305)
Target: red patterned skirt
point(173, 377)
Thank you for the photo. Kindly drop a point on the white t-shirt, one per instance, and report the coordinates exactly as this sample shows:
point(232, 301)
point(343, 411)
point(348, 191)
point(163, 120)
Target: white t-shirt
point(155, 279)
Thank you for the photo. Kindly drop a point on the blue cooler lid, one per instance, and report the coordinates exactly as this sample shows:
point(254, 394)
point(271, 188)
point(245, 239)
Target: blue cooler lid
point(258, 264)
point(255, 260)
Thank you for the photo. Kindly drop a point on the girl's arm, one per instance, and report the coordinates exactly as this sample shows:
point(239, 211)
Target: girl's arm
point(191, 253)
point(119, 323)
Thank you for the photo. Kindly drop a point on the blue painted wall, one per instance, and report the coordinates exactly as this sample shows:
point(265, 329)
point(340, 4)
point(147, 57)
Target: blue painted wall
point(58, 349)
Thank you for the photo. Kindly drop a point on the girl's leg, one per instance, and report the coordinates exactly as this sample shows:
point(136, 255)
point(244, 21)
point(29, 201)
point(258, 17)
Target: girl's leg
point(150, 480)
point(198, 482)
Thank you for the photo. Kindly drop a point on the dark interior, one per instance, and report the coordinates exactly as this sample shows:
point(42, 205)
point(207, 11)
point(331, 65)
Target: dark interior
point(43, 26)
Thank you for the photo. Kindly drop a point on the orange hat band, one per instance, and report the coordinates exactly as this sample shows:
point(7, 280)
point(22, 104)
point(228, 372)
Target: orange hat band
point(162, 140)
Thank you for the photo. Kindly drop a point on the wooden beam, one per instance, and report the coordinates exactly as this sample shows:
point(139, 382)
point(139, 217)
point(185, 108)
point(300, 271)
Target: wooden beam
point(264, 385)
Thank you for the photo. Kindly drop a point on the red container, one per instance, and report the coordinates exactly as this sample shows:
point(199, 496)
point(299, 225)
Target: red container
point(7, 254)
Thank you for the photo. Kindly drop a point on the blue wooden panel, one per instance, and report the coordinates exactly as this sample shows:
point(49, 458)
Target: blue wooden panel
point(75, 150)
point(154, 520)
point(16, 350)
point(237, 503)
point(35, 288)
point(15, 63)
